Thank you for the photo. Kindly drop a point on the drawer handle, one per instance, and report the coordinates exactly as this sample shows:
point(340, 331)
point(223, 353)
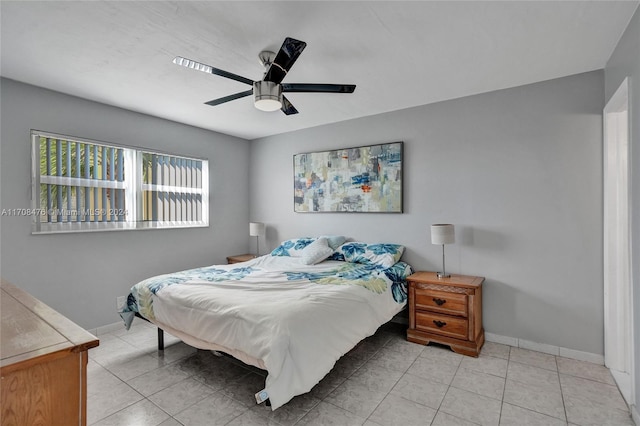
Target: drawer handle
point(439, 324)
point(439, 302)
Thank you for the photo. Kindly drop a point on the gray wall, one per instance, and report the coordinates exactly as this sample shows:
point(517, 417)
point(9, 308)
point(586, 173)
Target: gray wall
point(81, 274)
point(518, 171)
point(625, 62)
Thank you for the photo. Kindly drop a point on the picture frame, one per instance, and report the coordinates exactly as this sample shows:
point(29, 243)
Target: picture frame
point(364, 179)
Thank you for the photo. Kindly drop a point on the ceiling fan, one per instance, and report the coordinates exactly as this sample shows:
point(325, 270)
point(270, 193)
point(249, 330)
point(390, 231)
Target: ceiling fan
point(268, 92)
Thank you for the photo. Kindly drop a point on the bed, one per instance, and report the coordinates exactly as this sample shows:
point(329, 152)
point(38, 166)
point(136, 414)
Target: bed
point(293, 312)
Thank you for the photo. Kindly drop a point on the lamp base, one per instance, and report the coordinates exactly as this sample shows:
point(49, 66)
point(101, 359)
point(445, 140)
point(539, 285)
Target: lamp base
point(443, 275)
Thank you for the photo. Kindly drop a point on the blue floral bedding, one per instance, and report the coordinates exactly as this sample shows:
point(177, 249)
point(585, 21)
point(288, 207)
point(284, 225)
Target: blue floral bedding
point(373, 277)
point(292, 319)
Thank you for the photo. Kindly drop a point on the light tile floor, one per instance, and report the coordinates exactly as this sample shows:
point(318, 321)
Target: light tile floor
point(384, 381)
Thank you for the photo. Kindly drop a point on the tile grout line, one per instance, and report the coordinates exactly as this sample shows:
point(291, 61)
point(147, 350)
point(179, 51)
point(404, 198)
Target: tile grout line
point(143, 396)
point(504, 387)
point(564, 405)
point(446, 392)
point(525, 383)
point(346, 378)
point(352, 373)
point(123, 408)
point(387, 394)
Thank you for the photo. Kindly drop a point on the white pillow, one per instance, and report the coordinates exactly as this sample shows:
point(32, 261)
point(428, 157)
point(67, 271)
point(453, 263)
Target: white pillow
point(316, 252)
point(334, 241)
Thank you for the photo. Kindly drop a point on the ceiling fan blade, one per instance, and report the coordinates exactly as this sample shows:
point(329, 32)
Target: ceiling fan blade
point(318, 88)
point(188, 63)
point(287, 107)
point(230, 98)
point(284, 60)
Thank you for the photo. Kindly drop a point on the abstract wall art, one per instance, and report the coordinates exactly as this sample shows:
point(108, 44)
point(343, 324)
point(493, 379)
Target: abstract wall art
point(366, 179)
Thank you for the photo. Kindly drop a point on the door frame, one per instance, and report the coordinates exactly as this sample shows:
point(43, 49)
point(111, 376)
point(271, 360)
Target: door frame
point(618, 288)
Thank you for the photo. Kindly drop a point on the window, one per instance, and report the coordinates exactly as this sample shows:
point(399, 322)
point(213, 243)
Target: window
point(83, 185)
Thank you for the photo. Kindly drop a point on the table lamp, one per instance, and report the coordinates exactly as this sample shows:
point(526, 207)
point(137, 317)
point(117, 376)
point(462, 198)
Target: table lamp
point(256, 229)
point(442, 233)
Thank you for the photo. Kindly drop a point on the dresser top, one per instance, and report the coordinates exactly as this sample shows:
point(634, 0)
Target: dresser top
point(454, 280)
point(30, 329)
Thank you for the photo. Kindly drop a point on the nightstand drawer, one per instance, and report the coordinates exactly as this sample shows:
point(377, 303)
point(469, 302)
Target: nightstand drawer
point(240, 258)
point(442, 324)
point(441, 301)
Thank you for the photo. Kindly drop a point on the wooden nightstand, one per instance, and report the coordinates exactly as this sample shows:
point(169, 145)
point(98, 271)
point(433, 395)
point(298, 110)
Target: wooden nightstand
point(240, 258)
point(446, 311)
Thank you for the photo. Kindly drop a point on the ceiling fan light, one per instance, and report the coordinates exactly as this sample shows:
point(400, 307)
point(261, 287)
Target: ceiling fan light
point(188, 63)
point(267, 95)
point(268, 105)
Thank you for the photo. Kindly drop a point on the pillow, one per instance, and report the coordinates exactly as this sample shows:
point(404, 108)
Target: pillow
point(293, 247)
point(316, 252)
point(334, 241)
point(385, 255)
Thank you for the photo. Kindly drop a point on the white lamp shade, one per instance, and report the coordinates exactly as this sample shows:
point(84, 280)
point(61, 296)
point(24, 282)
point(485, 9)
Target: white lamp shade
point(256, 229)
point(442, 233)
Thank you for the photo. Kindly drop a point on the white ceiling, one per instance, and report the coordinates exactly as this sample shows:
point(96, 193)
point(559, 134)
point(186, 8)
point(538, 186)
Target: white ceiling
point(399, 54)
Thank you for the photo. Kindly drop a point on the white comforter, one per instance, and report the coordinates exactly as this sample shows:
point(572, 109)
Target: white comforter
point(297, 323)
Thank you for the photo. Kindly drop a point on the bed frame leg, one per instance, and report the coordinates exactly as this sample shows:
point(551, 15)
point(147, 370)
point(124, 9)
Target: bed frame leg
point(160, 339)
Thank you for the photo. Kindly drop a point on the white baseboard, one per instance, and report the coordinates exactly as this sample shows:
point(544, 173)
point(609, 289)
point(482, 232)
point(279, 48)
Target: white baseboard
point(545, 348)
point(504, 340)
point(582, 356)
point(538, 347)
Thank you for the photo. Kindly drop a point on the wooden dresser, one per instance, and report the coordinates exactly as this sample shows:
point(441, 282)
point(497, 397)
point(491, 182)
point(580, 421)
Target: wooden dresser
point(446, 311)
point(44, 363)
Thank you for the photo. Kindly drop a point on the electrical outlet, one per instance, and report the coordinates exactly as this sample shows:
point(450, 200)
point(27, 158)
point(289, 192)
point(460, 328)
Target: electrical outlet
point(121, 301)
